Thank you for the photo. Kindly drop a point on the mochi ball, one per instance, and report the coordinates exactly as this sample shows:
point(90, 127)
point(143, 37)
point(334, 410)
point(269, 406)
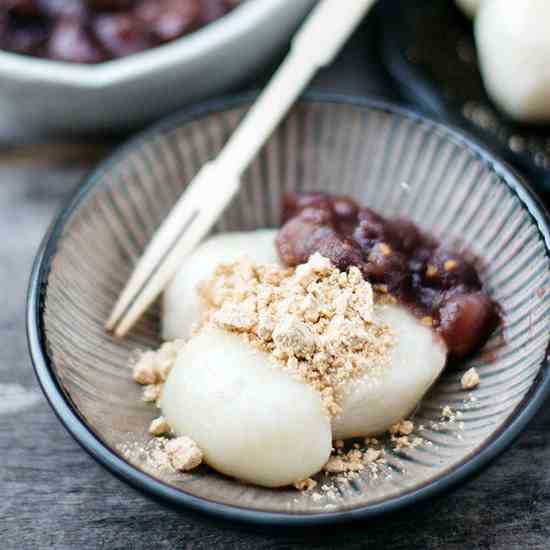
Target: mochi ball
point(181, 303)
point(251, 418)
point(513, 42)
point(372, 404)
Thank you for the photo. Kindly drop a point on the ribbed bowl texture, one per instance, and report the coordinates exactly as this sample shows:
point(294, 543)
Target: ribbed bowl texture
point(394, 162)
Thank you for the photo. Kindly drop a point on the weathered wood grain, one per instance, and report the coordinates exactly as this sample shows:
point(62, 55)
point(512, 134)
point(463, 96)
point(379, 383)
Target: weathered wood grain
point(52, 495)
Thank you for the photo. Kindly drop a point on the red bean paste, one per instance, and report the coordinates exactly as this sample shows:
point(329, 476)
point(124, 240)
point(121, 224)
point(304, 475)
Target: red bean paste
point(91, 31)
point(436, 283)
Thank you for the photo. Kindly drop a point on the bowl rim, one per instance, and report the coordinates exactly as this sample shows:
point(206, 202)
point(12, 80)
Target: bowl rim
point(212, 37)
point(92, 443)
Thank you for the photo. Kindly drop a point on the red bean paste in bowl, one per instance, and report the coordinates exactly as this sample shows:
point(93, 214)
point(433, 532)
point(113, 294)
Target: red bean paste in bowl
point(439, 285)
point(92, 31)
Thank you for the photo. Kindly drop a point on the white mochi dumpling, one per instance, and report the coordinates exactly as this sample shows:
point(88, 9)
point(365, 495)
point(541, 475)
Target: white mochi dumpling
point(469, 7)
point(373, 404)
point(513, 42)
point(251, 419)
point(181, 303)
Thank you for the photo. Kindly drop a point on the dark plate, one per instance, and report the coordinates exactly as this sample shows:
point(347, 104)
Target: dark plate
point(397, 162)
point(429, 50)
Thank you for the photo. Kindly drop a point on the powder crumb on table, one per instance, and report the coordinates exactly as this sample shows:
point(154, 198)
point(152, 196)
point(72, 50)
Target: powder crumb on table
point(183, 453)
point(470, 379)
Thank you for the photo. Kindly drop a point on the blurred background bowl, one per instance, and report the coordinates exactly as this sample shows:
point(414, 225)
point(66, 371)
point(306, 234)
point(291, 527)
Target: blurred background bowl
point(52, 96)
point(391, 160)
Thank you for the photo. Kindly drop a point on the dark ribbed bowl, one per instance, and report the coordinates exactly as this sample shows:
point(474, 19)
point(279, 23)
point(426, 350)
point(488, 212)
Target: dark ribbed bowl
point(389, 159)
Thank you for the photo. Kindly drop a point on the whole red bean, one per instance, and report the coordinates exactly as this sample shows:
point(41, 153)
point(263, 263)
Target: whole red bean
point(121, 34)
point(466, 320)
point(106, 28)
point(170, 19)
point(70, 41)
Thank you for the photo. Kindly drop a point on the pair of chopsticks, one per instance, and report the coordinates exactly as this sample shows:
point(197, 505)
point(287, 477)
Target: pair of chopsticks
point(315, 45)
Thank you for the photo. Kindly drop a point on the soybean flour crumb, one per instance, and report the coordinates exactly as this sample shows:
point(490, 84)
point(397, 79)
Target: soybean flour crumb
point(151, 455)
point(399, 436)
point(470, 379)
point(314, 320)
point(163, 455)
point(305, 485)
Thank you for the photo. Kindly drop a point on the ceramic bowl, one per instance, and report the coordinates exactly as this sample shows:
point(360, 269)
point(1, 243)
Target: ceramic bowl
point(47, 96)
point(392, 160)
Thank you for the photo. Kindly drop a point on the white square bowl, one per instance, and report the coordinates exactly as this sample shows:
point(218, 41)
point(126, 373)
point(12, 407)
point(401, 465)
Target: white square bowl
point(52, 96)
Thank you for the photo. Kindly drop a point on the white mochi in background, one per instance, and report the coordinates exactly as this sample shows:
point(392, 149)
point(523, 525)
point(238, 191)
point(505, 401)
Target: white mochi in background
point(181, 303)
point(469, 7)
point(513, 43)
point(251, 419)
point(373, 404)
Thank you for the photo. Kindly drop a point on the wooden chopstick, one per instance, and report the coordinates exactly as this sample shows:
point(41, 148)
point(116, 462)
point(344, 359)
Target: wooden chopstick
point(315, 45)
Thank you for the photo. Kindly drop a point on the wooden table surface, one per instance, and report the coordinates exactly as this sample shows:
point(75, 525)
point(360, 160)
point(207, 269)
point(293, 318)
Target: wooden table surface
point(53, 495)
